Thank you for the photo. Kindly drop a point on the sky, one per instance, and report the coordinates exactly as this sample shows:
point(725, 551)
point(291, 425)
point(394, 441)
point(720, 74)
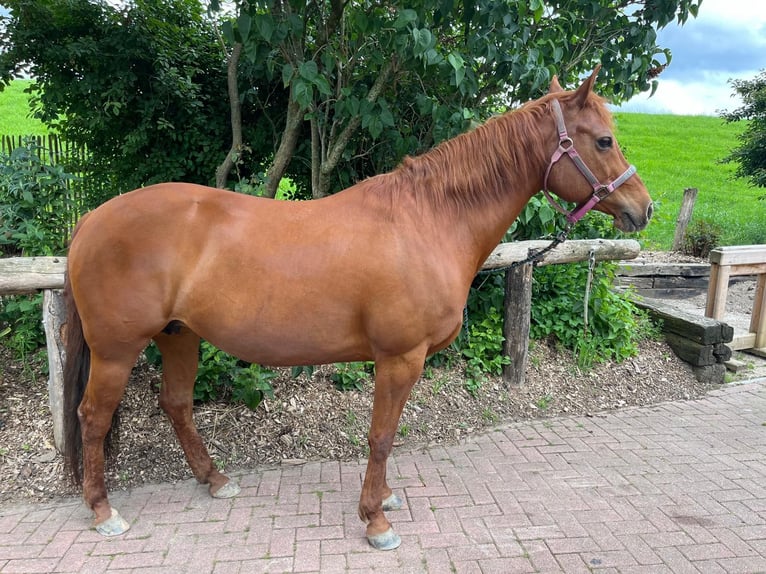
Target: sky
point(726, 41)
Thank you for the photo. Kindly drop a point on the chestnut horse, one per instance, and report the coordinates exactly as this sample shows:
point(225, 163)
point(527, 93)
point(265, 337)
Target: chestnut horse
point(380, 271)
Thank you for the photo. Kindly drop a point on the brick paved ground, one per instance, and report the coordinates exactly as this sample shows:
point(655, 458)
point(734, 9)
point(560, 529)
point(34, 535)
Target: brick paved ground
point(678, 487)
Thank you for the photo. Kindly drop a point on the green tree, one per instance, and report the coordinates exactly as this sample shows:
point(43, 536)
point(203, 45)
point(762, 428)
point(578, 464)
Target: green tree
point(325, 92)
point(750, 155)
point(142, 86)
point(371, 81)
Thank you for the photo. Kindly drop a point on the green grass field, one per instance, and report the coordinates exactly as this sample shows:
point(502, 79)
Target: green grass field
point(676, 152)
point(670, 152)
point(14, 112)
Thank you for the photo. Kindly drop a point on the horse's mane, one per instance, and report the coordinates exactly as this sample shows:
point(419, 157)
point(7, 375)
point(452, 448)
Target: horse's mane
point(484, 165)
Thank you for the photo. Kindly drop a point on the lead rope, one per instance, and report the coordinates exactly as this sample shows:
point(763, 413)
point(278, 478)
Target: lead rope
point(588, 283)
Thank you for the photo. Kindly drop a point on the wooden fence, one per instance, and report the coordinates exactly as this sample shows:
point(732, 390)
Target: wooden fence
point(20, 275)
point(85, 190)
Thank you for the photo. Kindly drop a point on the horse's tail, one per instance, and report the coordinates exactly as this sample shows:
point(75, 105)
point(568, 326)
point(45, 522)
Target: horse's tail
point(76, 370)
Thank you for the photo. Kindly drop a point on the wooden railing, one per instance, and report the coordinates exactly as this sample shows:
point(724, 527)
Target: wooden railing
point(30, 274)
point(732, 261)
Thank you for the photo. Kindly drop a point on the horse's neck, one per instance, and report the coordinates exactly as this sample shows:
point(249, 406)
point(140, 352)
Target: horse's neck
point(508, 180)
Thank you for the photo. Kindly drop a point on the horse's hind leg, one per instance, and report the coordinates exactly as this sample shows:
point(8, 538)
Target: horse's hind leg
point(179, 368)
point(106, 385)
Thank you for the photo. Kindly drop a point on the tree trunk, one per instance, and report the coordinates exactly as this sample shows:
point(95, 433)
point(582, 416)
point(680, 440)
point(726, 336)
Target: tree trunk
point(222, 173)
point(286, 148)
point(321, 184)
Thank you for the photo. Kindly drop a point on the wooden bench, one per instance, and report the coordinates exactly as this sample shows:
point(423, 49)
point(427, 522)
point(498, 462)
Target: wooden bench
point(727, 262)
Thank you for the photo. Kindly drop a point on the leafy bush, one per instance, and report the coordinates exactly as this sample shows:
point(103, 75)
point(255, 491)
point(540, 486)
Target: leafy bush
point(33, 221)
point(615, 325)
point(701, 238)
point(349, 376)
point(220, 374)
point(34, 204)
point(22, 328)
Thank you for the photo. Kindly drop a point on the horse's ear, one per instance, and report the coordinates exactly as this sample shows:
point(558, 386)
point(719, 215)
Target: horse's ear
point(581, 95)
point(555, 86)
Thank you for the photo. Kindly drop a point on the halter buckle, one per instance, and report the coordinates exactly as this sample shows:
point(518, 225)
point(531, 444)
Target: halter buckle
point(602, 192)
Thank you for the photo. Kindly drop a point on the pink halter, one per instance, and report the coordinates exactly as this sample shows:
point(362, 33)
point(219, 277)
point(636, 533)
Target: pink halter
point(600, 190)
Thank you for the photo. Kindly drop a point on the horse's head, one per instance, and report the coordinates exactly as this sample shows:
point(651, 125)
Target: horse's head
point(595, 174)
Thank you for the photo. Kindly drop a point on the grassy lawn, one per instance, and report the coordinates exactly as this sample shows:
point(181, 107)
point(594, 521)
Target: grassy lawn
point(676, 152)
point(14, 112)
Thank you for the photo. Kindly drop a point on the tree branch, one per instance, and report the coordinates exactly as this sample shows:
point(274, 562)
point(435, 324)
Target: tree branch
point(336, 150)
point(222, 173)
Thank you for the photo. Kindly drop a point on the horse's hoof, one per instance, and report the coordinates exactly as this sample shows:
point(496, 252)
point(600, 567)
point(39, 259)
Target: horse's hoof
point(387, 540)
point(228, 490)
point(393, 502)
point(113, 526)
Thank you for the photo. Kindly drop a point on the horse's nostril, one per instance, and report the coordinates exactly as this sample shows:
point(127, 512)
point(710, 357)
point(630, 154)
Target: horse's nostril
point(650, 211)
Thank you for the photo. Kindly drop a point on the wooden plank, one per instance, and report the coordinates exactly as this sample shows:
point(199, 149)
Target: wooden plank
point(638, 269)
point(637, 282)
point(747, 269)
point(29, 274)
point(715, 306)
point(54, 321)
point(738, 255)
point(700, 283)
point(742, 341)
point(701, 330)
point(676, 294)
point(567, 252)
point(758, 317)
point(695, 354)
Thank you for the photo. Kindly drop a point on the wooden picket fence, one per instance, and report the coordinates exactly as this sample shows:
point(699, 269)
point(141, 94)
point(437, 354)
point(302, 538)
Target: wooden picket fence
point(53, 149)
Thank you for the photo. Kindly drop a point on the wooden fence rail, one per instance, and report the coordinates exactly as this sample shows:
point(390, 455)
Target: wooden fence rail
point(30, 274)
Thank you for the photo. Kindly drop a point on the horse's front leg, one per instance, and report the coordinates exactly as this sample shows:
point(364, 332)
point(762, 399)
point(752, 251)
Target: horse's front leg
point(394, 379)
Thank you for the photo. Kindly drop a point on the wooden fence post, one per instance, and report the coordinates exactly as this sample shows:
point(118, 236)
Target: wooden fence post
point(684, 216)
point(54, 321)
point(517, 306)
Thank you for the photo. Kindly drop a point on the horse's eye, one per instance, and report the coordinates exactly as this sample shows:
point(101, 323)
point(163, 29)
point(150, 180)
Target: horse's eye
point(604, 143)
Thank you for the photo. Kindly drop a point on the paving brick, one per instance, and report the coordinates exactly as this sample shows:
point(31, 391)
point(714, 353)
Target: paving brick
point(678, 487)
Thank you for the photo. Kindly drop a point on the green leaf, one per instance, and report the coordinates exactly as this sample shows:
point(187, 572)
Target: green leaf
point(227, 28)
point(323, 85)
point(308, 70)
point(287, 74)
point(265, 25)
point(375, 126)
point(303, 92)
point(244, 22)
point(457, 63)
point(405, 18)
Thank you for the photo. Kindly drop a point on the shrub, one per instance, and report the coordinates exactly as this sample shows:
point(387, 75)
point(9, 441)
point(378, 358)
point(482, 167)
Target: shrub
point(33, 221)
point(220, 375)
point(701, 238)
point(349, 376)
point(615, 325)
point(34, 204)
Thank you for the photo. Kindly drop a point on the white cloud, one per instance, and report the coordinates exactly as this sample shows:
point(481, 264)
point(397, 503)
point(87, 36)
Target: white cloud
point(727, 41)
